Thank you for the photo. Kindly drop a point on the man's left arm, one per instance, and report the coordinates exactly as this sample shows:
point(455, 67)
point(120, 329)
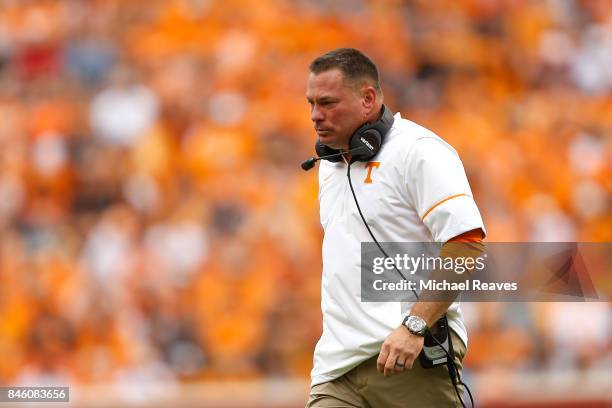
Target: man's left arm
point(403, 347)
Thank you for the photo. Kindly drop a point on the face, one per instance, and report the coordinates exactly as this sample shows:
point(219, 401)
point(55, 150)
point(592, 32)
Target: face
point(336, 110)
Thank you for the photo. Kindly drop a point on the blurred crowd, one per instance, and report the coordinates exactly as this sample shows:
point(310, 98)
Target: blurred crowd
point(155, 224)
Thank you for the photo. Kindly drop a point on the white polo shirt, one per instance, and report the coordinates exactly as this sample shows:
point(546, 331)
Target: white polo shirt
point(414, 190)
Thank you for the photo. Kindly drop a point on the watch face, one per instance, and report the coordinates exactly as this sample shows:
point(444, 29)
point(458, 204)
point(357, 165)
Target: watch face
point(416, 324)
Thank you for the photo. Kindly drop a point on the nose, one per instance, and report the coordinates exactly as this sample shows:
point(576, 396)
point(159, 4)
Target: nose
point(316, 115)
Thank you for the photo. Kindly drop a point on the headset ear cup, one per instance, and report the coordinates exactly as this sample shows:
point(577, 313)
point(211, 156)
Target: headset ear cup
point(368, 139)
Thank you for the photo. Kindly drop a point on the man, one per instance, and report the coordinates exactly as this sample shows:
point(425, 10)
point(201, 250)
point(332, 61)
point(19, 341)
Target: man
point(414, 189)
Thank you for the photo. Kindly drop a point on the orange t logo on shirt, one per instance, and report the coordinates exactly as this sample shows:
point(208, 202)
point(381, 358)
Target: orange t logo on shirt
point(370, 166)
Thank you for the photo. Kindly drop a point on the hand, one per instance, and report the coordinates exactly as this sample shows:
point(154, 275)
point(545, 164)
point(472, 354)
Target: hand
point(400, 347)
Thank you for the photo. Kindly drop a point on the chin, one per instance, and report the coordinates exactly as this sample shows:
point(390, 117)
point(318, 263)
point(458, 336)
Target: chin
point(333, 146)
point(330, 142)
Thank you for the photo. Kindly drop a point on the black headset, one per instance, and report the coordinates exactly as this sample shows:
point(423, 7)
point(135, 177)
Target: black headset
point(364, 143)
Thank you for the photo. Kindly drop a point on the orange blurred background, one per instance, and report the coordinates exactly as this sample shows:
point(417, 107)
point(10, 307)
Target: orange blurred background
point(156, 226)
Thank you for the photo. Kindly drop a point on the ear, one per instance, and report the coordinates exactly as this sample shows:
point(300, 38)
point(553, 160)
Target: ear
point(369, 97)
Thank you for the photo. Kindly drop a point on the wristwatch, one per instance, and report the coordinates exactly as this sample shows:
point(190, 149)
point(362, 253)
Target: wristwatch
point(415, 325)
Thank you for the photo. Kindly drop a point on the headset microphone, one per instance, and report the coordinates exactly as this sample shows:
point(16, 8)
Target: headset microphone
point(310, 162)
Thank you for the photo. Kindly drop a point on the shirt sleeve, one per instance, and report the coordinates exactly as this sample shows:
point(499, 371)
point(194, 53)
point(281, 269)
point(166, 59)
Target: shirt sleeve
point(440, 191)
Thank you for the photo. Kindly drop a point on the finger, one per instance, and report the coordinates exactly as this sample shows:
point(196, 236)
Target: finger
point(400, 365)
point(390, 364)
point(382, 359)
point(408, 361)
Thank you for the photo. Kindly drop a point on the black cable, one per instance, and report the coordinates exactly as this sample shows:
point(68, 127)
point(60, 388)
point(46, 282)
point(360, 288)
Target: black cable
point(455, 372)
point(348, 174)
point(452, 367)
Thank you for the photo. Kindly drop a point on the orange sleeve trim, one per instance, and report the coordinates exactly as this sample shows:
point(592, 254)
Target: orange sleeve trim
point(442, 202)
point(475, 235)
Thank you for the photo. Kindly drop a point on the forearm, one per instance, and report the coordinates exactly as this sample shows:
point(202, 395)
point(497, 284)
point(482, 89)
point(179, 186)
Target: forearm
point(432, 306)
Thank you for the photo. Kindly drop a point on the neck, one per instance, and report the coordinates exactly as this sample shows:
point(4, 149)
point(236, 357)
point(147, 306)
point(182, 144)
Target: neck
point(374, 115)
